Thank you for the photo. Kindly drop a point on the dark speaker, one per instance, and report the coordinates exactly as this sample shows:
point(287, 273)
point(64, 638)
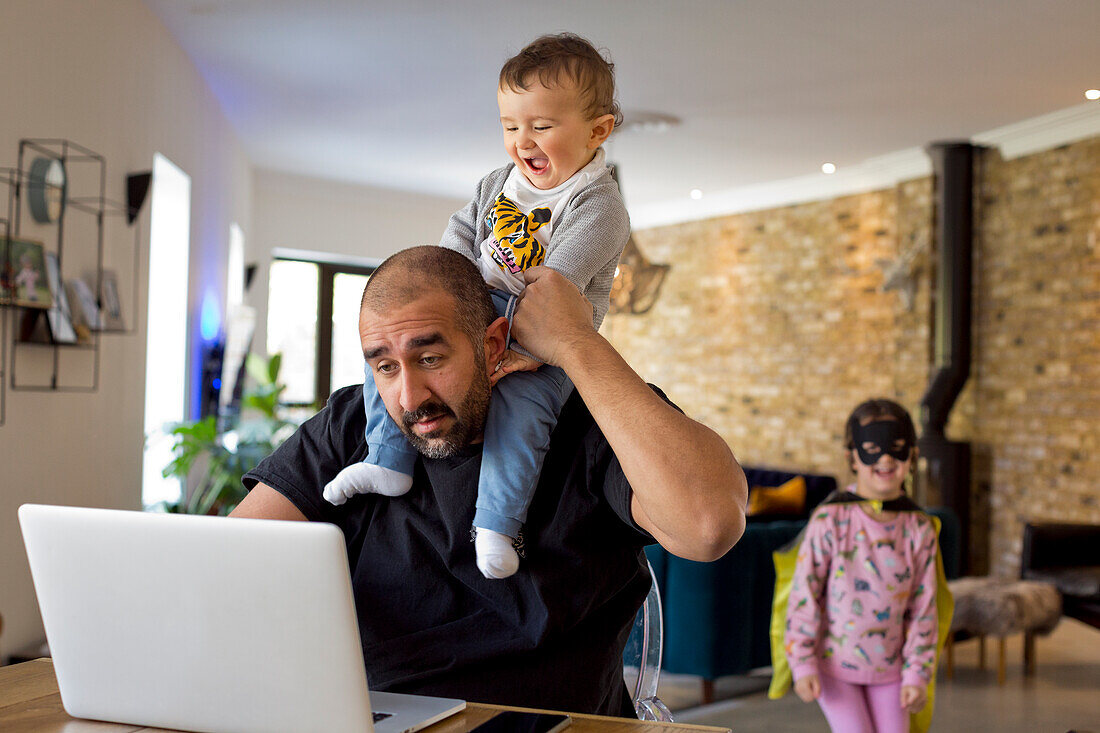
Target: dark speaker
point(211, 386)
point(137, 188)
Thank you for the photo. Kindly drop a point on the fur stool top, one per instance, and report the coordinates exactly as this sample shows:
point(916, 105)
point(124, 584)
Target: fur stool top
point(999, 607)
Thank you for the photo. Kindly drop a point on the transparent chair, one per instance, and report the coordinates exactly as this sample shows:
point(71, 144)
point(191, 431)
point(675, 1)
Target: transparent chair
point(643, 654)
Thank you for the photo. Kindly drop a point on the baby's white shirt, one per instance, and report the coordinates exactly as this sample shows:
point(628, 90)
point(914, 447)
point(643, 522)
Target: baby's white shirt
point(528, 198)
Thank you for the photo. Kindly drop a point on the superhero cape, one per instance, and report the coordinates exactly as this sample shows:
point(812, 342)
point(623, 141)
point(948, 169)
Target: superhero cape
point(785, 559)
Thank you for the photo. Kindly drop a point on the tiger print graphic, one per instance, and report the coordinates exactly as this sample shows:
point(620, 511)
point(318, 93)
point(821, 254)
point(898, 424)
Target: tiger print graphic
point(514, 249)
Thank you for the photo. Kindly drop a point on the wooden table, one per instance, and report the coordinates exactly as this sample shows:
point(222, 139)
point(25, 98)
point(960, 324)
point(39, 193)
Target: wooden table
point(30, 703)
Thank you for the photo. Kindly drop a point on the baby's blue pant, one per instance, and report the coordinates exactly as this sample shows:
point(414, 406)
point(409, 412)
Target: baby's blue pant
point(523, 411)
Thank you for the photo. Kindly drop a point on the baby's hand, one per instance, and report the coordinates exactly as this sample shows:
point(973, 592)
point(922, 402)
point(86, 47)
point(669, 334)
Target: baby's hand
point(513, 362)
point(808, 688)
point(913, 698)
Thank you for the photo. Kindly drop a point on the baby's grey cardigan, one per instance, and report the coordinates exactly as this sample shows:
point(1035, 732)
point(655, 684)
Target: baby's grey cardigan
point(587, 238)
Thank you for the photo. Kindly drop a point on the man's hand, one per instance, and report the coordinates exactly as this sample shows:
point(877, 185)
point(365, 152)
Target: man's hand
point(552, 316)
point(808, 688)
point(913, 699)
point(513, 361)
point(688, 491)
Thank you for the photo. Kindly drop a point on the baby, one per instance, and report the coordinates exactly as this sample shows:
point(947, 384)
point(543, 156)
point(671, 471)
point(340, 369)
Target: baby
point(555, 204)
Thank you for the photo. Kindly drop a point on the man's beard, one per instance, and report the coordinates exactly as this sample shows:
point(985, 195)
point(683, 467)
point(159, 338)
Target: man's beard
point(468, 424)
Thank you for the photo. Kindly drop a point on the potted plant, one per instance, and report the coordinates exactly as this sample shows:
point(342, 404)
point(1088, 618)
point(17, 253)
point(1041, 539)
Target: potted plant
point(226, 455)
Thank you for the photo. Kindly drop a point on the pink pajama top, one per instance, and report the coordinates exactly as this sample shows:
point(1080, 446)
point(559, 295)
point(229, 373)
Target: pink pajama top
point(862, 606)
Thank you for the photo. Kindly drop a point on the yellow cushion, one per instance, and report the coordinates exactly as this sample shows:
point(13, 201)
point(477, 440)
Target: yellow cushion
point(790, 498)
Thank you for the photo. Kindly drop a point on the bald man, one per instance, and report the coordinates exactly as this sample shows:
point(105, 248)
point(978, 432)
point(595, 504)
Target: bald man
point(624, 469)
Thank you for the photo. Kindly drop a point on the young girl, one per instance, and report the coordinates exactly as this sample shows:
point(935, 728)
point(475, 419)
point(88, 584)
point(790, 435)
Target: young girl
point(861, 628)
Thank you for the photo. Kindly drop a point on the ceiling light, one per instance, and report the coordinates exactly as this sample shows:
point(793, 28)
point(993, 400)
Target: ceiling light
point(696, 194)
point(828, 168)
point(1092, 94)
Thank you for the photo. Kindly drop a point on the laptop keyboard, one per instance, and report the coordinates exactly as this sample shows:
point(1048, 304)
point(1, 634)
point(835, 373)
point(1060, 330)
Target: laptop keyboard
point(381, 716)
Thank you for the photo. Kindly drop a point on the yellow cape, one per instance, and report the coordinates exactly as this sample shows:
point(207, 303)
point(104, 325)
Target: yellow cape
point(781, 671)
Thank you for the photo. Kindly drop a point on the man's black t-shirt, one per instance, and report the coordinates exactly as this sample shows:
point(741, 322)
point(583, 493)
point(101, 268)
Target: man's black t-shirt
point(550, 636)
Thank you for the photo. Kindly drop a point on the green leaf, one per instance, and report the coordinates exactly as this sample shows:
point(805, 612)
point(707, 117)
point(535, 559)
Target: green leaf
point(273, 365)
point(257, 369)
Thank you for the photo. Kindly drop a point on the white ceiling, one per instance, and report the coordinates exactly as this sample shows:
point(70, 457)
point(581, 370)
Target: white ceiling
point(403, 94)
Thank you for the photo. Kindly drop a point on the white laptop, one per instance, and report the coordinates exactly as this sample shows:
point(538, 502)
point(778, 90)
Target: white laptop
point(207, 624)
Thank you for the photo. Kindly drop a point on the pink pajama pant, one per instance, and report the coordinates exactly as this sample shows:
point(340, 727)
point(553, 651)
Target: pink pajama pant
point(852, 708)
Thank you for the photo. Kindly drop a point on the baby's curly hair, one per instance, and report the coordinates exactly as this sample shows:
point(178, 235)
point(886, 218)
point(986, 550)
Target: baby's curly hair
point(551, 58)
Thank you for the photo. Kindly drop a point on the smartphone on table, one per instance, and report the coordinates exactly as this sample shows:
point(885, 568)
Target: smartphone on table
point(514, 721)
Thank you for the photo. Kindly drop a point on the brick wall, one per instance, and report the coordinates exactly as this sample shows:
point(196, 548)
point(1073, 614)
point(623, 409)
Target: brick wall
point(772, 325)
point(1037, 348)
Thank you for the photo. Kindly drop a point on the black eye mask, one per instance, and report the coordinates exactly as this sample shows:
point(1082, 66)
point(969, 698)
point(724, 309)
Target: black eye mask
point(883, 434)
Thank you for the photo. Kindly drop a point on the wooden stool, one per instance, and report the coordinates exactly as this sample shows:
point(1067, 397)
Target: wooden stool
point(996, 607)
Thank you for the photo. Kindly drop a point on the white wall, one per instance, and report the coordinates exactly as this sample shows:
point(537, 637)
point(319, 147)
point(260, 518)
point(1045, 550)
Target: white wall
point(340, 219)
point(108, 76)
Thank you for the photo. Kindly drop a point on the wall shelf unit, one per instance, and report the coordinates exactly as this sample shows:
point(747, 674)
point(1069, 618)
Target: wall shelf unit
point(39, 361)
point(8, 178)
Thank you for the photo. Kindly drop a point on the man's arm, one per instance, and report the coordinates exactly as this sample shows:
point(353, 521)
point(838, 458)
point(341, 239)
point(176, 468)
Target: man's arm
point(689, 491)
point(264, 502)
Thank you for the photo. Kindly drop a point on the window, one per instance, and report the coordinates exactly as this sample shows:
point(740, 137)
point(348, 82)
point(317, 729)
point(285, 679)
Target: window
point(347, 350)
point(292, 326)
point(234, 289)
point(166, 329)
point(313, 321)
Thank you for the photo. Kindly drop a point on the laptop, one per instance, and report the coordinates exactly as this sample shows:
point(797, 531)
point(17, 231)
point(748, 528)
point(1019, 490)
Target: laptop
point(207, 624)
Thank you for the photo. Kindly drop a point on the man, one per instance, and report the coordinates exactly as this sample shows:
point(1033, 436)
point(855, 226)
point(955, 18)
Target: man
point(624, 468)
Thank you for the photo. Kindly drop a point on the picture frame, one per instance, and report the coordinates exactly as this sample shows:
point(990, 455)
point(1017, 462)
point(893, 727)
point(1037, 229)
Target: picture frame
point(6, 272)
point(110, 303)
point(59, 316)
point(83, 305)
point(240, 327)
point(32, 327)
point(24, 274)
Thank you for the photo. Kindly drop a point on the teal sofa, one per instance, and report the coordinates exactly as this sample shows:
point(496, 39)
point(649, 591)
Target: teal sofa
point(717, 615)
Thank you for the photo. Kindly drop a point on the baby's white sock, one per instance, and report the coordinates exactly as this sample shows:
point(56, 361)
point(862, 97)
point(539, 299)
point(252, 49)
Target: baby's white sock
point(366, 478)
point(496, 558)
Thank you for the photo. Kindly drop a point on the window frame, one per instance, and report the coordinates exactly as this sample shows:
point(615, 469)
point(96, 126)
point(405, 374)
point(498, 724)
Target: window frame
point(327, 270)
